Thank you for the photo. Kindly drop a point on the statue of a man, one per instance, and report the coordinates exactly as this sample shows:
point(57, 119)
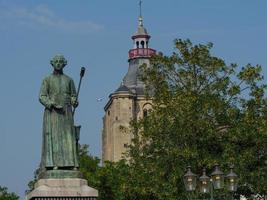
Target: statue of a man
point(58, 95)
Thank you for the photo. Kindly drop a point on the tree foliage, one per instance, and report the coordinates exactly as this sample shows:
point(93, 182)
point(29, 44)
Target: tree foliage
point(5, 195)
point(108, 179)
point(204, 112)
point(89, 165)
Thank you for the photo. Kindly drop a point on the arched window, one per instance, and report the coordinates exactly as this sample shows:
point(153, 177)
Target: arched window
point(143, 44)
point(137, 44)
point(145, 113)
point(147, 108)
point(146, 44)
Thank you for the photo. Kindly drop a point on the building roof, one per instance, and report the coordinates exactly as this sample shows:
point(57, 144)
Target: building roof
point(139, 90)
point(141, 31)
point(123, 89)
point(131, 82)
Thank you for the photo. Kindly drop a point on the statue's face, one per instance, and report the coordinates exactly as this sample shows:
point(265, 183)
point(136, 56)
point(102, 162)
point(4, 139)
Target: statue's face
point(58, 63)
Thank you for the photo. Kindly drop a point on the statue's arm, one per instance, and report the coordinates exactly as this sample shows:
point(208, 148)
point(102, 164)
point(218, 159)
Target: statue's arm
point(43, 95)
point(74, 101)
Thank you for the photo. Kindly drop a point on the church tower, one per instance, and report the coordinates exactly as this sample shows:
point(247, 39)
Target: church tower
point(128, 101)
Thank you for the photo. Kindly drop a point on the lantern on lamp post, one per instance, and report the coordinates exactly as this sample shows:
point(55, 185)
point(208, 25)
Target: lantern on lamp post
point(207, 184)
point(204, 183)
point(217, 178)
point(231, 180)
point(190, 180)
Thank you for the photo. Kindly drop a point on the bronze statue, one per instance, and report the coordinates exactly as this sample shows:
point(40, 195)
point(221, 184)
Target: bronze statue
point(58, 95)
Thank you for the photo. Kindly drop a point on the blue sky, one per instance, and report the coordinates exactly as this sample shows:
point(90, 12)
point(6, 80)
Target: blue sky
point(96, 34)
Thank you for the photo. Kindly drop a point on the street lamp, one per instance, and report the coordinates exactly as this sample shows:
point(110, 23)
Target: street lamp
point(207, 184)
point(232, 180)
point(204, 183)
point(217, 177)
point(190, 180)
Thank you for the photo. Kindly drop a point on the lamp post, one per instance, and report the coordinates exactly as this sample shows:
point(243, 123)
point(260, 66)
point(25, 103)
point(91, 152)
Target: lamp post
point(232, 181)
point(208, 184)
point(217, 177)
point(204, 185)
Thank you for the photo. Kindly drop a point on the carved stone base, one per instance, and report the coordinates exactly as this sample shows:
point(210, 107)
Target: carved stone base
point(62, 189)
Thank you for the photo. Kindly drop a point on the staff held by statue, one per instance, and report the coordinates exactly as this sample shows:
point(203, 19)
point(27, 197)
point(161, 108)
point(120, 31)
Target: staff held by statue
point(78, 128)
point(79, 86)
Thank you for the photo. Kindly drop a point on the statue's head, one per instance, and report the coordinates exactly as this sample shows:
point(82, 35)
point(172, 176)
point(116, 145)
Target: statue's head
point(58, 62)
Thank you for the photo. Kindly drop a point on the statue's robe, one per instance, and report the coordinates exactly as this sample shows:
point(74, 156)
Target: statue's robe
point(59, 140)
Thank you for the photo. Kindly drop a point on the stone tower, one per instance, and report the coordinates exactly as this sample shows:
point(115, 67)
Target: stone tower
point(128, 101)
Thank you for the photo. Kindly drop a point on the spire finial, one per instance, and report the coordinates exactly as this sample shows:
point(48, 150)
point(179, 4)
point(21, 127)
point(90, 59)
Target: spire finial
point(140, 14)
point(140, 7)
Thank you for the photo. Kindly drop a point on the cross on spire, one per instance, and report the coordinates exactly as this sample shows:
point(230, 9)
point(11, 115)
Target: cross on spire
point(140, 14)
point(140, 7)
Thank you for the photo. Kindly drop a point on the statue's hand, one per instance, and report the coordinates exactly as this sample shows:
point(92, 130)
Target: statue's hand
point(58, 107)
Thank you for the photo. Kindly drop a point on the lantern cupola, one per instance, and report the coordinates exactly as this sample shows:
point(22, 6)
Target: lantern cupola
point(141, 41)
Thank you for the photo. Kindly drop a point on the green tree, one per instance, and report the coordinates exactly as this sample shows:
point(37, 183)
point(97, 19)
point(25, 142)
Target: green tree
point(5, 195)
point(113, 179)
point(204, 112)
point(32, 182)
point(89, 165)
point(108, 179)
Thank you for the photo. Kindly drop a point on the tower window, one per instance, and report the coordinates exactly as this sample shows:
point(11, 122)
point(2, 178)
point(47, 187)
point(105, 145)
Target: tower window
point(143, 44)
point(116, 118)
point(137, 44)
point(108, 112)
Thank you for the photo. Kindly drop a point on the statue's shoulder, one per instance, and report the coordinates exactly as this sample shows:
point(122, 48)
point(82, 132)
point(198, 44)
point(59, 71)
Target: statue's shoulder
point(47, 77)
point(67, 78)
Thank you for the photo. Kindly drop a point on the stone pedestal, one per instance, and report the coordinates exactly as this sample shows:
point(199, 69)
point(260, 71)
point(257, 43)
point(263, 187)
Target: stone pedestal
point(60, 174)
point(62, 189)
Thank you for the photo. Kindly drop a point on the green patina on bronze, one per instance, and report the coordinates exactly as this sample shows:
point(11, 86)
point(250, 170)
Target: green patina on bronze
point(59, 150)
point(60, 174)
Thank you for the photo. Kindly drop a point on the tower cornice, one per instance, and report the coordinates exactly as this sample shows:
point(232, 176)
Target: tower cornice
point(141, 36)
